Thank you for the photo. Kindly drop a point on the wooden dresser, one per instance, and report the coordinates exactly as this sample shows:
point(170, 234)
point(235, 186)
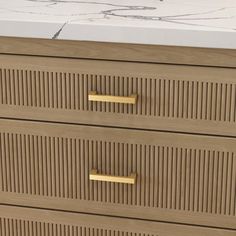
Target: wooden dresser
point(105, 139)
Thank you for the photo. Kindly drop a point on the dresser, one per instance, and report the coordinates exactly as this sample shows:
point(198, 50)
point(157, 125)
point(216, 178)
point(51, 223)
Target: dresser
point(104, 133)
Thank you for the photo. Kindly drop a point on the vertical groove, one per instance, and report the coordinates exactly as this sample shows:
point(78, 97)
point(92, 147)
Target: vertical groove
point(157, 97)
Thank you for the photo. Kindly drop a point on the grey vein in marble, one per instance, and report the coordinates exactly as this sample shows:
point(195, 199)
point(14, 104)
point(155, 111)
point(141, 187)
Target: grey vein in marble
point(125, 19)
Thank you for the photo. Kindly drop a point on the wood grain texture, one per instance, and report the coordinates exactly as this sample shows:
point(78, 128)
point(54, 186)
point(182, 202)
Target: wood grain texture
point(119, 52)
point(183, 174)
point(28, 222)
point(176, 98)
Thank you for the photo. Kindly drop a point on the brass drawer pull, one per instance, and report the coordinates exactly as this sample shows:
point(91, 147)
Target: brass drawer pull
point(110, 178)
point(93, 96)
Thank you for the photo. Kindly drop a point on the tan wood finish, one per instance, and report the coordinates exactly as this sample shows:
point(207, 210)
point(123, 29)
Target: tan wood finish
point(180, 178)
point(172, 98)
point(116, 51)
point(144, 176)
point(24, 221)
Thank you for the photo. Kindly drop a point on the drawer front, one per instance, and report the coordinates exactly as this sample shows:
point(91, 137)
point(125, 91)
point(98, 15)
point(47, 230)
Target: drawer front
point(180, 98)
point(180, 178)
point(25, 221)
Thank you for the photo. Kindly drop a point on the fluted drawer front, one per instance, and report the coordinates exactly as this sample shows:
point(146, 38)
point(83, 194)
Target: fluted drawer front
point(28, 222)
point(182, 98)
point(180, 178)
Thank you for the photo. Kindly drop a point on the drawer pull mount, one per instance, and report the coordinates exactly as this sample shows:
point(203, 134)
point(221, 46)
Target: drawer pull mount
point(93, 96)
point(110, 178)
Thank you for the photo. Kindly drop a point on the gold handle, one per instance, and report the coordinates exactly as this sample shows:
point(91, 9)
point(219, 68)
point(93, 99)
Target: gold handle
point(93, 96)
point(110, 178)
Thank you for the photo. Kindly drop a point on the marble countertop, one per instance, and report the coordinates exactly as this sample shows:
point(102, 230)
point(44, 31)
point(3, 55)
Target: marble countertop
point(196, 23)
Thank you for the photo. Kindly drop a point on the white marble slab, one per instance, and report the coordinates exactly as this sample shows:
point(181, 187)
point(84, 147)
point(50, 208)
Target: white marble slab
point(197, 23)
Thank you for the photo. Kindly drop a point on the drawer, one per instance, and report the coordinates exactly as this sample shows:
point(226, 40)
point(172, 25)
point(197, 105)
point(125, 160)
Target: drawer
point(179, 178)
point(169, 97)
point(25, 221)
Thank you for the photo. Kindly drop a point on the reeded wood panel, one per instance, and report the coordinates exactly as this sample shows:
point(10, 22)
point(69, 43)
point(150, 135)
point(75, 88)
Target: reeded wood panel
point(183, 174)
point(169, 97)
point(12, 227)
point(16, 221)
